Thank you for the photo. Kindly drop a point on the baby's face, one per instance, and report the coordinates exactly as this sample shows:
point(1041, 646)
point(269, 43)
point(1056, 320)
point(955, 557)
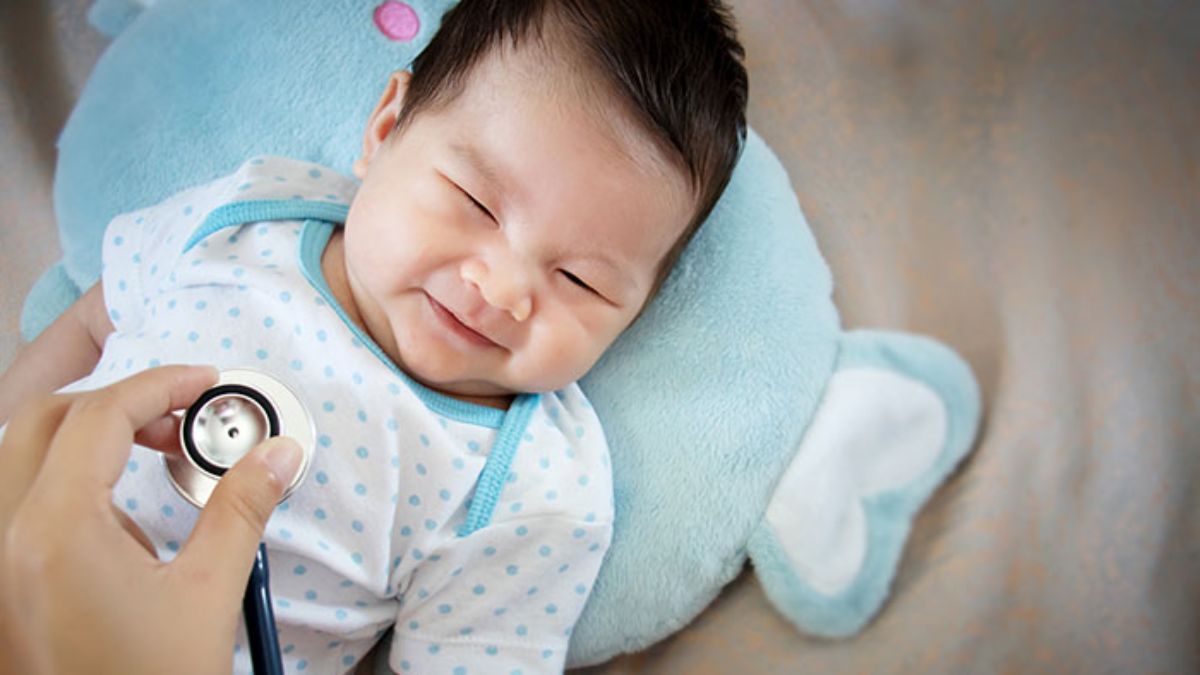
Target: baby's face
point(500, 243)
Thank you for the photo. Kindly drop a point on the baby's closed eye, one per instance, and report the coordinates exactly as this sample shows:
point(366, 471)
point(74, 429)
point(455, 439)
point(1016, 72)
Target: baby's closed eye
point(579, 282)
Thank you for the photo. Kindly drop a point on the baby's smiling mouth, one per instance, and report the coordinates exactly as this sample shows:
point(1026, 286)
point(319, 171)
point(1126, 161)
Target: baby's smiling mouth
point(458, 326)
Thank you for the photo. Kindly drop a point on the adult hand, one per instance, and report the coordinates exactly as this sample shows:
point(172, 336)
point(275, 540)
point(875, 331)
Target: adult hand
point(81, 589)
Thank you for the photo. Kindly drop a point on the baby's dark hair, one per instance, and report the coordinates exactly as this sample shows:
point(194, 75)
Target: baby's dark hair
point(677, 63)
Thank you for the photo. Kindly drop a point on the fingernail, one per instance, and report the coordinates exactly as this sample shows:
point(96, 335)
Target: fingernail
point(283, 458)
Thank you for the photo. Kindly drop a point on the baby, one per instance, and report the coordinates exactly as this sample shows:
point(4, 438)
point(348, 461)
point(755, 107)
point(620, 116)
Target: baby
point(524, 192)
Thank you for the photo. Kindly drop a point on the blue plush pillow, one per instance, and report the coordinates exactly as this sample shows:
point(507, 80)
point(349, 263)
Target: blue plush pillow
point(742, 419)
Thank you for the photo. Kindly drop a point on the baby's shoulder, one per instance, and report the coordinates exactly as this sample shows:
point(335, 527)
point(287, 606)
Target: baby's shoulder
point(563, 460)
point(260, 189)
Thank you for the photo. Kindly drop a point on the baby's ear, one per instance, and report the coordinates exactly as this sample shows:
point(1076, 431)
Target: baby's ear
point(382, 119)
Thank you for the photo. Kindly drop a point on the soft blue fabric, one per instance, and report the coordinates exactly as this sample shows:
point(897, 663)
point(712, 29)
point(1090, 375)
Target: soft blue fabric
point(704, 400)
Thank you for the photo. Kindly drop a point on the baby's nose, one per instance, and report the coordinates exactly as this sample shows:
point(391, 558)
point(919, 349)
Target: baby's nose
point(504, 289)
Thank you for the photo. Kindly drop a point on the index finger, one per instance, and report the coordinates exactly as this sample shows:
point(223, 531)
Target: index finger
point(93, 442)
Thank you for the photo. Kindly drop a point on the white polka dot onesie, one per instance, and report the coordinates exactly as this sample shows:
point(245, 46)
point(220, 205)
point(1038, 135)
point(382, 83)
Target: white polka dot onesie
point(476, 532)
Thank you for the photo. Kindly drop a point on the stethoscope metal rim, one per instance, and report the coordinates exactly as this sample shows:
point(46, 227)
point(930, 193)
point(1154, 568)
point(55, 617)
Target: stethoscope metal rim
point(195, 481)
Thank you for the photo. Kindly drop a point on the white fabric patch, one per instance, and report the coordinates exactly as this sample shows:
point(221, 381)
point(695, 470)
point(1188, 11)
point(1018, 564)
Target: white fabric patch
point(875, 431)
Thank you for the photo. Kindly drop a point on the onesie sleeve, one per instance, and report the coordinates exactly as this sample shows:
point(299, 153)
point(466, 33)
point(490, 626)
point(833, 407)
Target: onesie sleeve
point(143, 250)
point(502, 600)
point(139, 253)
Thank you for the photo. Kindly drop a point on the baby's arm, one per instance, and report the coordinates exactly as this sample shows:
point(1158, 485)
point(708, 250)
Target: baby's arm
point(63, 353)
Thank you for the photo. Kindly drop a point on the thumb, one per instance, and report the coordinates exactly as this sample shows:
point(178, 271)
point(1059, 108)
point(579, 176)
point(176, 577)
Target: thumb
point(227, 533)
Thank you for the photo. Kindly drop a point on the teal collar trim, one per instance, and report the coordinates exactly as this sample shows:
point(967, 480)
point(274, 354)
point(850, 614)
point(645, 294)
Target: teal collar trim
point(495, 472)
point(238, 213)
point(313, 239)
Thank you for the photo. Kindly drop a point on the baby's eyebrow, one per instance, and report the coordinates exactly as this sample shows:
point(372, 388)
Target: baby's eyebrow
point(617, 270)
point(478, 161)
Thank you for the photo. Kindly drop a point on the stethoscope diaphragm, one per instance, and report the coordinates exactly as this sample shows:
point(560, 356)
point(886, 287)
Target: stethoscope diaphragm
point(227, 421)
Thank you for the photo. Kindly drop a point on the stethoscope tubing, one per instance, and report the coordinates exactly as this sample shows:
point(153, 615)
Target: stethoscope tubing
point(261, 634)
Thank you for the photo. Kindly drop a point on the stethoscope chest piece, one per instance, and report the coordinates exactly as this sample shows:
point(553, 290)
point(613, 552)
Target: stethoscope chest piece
point(227, 421)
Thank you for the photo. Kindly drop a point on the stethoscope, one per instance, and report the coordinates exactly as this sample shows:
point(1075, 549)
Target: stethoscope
point(224, 424)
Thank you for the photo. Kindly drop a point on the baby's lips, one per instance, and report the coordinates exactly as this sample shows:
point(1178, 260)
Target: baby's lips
point(397, 20)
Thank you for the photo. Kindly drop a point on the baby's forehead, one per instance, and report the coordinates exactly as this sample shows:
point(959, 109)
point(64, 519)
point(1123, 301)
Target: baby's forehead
point(559, 67)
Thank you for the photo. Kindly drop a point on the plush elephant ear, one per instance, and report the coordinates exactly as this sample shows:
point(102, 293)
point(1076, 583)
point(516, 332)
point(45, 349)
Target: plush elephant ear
point(897, 415)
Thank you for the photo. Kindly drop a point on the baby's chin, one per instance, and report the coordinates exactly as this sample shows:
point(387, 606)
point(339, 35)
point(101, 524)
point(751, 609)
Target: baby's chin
point(487, 393)
point(462, 389)
point(464, 378)
point(491, 396)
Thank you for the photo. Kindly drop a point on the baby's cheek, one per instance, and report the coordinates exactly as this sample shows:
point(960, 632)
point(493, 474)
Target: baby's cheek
point(561, 354)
